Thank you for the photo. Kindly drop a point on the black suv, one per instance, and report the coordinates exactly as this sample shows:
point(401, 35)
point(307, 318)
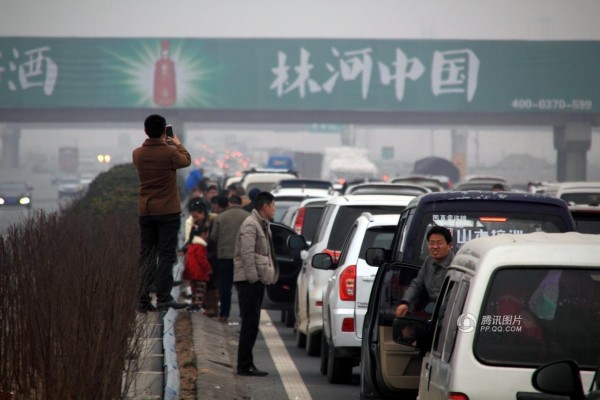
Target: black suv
point(388, 369)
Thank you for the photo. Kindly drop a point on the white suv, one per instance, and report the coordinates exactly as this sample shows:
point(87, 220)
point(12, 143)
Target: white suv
point(346, 296)
point(338, 217)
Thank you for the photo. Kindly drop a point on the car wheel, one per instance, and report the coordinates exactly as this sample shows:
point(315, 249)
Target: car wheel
point(313, 344)
point(324, 354)
point(339, 370)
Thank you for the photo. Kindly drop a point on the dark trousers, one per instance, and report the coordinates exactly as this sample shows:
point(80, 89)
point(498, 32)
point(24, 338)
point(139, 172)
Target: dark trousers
point(225, 285)
point(250, 296)
point(158, 253)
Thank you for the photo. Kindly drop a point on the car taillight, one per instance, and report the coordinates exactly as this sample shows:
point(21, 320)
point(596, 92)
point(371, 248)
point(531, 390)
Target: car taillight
point(457, 396)
point(335, 254)
point(348, 283)
point(348, 325)
point(299, 220)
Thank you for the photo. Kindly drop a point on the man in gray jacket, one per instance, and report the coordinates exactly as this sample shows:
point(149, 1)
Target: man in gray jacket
point(224, 233)
point(254, 267)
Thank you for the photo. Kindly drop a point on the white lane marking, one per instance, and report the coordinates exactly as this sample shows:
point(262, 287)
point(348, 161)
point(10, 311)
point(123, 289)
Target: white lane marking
point(290, 377)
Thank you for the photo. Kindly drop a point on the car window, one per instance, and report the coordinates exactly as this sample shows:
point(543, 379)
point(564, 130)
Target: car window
point(280, 238)
point(533, 316)
point(377, 236)
point(346, 245)
point(346, 217)
point(404, 232)
point(581, 198)
point(311, 220)
point(320, 232)
point(281, 208)
point(587, 223)
point(471, 225)
point(454, 318)
point(448, 295)
point(16, 186)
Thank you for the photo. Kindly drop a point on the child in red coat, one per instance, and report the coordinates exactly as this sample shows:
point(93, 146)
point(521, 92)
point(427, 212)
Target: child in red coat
point(197, 268)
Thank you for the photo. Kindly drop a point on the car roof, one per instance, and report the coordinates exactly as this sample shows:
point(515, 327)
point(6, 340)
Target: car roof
point(487, 178)
point(428, 182)
point(570, 250)
point(379, 219)
point(572, 186)
point(389, 188)
point(480, 184)
point(305, 183)
point(479, 195)
point(380, 199)
point(301, 192)
point(315, 202)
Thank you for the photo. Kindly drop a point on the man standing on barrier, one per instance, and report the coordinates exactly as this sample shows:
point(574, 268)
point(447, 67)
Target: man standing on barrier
point(159, 206)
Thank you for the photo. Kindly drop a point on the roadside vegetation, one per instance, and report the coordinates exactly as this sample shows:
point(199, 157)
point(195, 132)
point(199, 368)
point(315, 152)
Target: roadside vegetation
point(69, 289)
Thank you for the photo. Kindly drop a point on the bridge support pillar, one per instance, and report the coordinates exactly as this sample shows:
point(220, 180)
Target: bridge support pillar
point(572, 141)
point(10, 136)
point(459, 150)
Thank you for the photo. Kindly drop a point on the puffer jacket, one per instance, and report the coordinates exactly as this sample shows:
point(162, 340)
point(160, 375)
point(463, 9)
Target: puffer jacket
point(254, 258)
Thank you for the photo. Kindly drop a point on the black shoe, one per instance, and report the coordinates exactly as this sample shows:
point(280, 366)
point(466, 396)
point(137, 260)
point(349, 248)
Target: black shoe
point(144, 308)
point(252, 371)
point(171, 304)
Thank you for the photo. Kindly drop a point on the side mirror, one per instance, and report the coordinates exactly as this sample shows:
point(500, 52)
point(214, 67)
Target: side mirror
point(322, 261)
point(297, 242)
point(410, 331)
point(559, 377)
point(375, 256)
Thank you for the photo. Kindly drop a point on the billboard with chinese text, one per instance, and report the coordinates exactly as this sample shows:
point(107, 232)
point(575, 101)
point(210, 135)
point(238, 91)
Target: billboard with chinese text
point(301, 74)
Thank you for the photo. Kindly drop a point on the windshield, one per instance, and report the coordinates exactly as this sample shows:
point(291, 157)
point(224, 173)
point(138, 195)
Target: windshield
point(592, 198)
point(346, 217)
point(465, 226)
point(13, 187)
point(534, 316)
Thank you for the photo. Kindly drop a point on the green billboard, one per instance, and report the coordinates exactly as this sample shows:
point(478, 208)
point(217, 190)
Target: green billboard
point(300, 74)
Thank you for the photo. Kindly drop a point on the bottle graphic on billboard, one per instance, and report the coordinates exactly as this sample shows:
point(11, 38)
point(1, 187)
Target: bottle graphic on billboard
point(164, 78)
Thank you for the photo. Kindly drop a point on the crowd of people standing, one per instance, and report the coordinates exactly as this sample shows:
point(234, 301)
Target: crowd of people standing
point(226, 239)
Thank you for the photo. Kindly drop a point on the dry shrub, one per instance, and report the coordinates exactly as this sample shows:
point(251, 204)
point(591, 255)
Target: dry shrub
point(69, 285)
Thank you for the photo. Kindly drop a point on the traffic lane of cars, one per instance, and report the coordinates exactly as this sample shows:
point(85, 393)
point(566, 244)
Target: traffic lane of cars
point(338, 216)
point(347, 294)
point(322, 363)
point(389, 369)
point(494, 320)
point(15, 194)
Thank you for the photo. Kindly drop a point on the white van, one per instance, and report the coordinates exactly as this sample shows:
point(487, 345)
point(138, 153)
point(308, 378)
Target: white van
point(508, 305)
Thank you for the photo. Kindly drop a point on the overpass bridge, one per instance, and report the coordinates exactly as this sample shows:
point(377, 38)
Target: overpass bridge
point(396, 82)
point(106, 67)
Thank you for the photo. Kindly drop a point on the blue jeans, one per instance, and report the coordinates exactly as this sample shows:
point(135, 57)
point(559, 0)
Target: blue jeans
point(158, 253)
point(225, 285)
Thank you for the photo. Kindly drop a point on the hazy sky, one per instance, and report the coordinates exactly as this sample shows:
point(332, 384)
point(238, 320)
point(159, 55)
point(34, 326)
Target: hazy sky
point(394, 19)
point(378, 19)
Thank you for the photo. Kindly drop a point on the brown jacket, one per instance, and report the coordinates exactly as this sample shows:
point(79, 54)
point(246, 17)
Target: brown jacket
point(156, 162)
